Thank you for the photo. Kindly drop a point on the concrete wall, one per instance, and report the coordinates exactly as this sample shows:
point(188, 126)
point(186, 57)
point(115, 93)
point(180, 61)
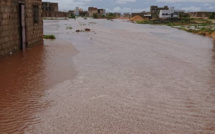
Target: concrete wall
point(199, 14)
point(55, 14)
point(10, 38)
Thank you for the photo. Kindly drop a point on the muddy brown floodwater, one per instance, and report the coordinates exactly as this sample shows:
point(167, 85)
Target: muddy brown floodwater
point(118, 78)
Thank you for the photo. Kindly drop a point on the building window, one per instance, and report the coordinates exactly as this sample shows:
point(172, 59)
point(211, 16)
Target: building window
point(36, 14)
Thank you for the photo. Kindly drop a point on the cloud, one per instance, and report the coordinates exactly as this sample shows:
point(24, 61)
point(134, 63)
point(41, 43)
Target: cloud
point(135, 5)
point(124, 1)
point(174, 1)
point(192, 8)
point(127, 10)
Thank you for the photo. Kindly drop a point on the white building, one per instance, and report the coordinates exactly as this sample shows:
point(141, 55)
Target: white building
point(77, 11)
point(171, 13)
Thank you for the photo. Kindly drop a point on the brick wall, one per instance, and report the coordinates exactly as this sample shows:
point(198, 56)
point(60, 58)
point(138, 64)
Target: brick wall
point(10, 28)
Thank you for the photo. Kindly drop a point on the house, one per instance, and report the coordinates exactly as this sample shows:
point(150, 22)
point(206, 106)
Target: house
point(155, 10)
point(21, 25)
point(92, 11)
point(170, 13)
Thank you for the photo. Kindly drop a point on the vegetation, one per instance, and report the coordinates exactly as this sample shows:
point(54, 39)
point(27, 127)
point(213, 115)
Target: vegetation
point(184, 15)
point(95, 16)
point(49, 37)
point(199, 26)
point(72, 16)
point(169, 21)
point(68, 27)
point(212, 16)
point(110, 16)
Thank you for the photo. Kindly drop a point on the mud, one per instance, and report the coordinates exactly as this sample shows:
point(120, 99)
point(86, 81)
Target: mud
point(122, 78)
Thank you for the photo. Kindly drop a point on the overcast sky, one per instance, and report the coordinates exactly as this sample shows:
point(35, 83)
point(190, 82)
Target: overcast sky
point(136, 5)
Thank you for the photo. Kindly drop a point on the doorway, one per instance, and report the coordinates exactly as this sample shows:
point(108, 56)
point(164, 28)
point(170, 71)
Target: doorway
point(22, 26)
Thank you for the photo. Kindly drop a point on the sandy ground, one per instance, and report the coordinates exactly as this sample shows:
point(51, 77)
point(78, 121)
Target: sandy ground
point(124, 78)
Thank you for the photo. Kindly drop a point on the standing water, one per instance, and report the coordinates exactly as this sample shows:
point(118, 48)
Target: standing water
point(118, 78)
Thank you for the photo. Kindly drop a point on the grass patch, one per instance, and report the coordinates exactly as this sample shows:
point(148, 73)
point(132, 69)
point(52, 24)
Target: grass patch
point(68, 27)
point(49, 37)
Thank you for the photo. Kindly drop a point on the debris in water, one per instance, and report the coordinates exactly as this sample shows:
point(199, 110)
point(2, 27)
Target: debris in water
point(87, 30)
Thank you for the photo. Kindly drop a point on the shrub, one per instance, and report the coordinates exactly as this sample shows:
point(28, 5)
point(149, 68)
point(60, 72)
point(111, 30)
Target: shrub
point(49, 37)
point(95, 16)
point(68, 27)
point(72, 16)
point(212, 16)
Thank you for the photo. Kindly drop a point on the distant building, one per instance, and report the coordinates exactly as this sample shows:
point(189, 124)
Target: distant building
point(117, 14)
point(155, 10)
point(170, 13)
point(51, 10)
point(51, 7)
point(200, 14)
point(84, 13)
point(139, 14)
point(71, 12)
point(127, 15)
point(77, 13)
point(146, 15)
point(92, 11)
point(21, 25)
point(101, 12)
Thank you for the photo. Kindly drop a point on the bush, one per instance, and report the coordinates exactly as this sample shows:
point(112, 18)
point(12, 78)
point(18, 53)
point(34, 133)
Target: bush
point(49, 37)
point(72, 16)
point(95, 16)
point(212, 16)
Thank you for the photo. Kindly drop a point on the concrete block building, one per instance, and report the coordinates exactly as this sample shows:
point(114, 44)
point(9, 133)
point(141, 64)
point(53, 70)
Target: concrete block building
point(101, 12)
point(21, 25)
point(170, 13)
point(92, 11)
point(48, 6)
point(50, 9)
point(155, 10)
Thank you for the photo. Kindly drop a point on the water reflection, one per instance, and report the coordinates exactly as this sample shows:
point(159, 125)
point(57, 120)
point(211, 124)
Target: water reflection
point(25, 76)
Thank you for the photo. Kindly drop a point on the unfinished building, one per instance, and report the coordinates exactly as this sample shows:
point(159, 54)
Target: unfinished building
point(21, 25)
point(155, 10)
point(48, 6)
point(92, 11)
point(51, 10)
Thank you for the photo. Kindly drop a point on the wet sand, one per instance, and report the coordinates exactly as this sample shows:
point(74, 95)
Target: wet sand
point(119, 78)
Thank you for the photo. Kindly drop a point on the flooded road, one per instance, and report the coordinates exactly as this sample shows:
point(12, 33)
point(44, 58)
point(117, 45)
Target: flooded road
point(118, 78)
